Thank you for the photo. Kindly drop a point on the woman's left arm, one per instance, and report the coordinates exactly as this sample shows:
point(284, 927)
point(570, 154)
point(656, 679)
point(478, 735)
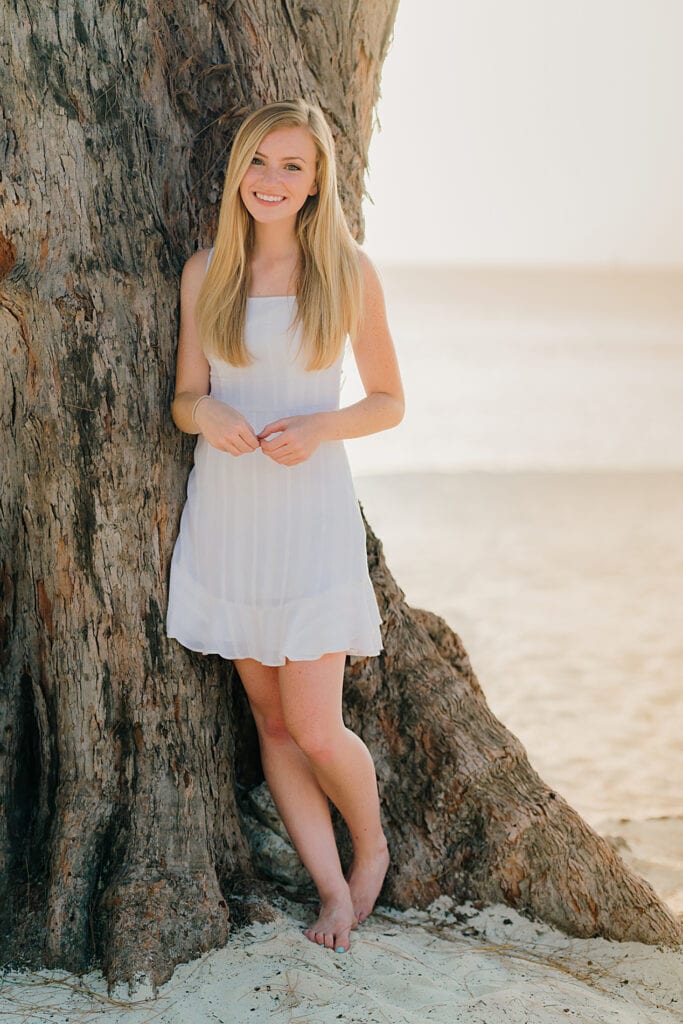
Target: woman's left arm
point(375, 356)
point(299, 436)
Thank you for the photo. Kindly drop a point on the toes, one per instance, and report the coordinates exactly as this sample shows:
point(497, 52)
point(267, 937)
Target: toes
point(342, 941)
point(318, 937)
point(324, 933)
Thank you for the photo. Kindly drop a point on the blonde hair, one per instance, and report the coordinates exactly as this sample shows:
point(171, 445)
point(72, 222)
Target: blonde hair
point(329, 288)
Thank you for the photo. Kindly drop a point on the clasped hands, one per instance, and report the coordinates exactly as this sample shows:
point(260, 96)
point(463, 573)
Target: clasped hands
point(224, 427)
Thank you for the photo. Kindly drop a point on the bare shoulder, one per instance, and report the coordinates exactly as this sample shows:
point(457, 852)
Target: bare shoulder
point(372, 282)
point(194, 271)
point(374, 306)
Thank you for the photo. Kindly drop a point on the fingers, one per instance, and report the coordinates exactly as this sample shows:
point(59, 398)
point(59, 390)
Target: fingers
point(289, 435)
point(275, 444)
point(250, 440)
point(284, 460)
point(278, 448)
point(270, 428)
point(242, 443)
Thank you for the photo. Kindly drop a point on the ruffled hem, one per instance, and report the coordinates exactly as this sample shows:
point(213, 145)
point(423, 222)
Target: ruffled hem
point(344, 618)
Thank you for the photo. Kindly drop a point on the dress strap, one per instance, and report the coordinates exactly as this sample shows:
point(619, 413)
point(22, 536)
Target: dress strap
point(208, 259)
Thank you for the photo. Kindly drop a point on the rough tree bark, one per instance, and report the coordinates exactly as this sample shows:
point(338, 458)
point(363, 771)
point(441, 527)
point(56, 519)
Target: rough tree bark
point(124, 840)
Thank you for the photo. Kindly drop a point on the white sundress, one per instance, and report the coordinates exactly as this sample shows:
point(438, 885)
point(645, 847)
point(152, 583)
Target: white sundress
point(270, 560)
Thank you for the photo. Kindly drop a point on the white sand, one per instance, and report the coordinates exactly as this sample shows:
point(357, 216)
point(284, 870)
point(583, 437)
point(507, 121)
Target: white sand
point(494, 967)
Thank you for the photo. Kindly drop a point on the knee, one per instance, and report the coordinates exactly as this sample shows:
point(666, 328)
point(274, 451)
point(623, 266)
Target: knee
point(271, 726)
point(320, 746)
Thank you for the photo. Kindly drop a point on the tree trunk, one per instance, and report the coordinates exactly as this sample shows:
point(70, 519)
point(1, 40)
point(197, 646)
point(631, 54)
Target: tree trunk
point(124, 840)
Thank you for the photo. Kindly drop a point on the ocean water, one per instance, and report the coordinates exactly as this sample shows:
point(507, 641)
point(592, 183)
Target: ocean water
point(533, 496)
point(530, 369)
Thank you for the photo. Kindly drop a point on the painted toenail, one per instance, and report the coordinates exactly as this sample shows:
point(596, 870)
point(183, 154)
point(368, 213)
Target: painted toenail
point(340, 949)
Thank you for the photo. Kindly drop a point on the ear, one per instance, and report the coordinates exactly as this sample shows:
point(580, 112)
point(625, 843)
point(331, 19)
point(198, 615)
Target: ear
point(314, 189)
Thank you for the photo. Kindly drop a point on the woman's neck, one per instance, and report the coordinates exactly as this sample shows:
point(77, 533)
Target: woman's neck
point(275, 243)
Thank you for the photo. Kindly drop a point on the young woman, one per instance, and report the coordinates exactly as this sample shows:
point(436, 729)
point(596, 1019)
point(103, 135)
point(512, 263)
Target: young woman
point(269, 568)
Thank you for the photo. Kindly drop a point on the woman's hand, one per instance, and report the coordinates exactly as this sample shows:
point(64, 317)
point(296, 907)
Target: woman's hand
point(225, 428)
point(299, 438)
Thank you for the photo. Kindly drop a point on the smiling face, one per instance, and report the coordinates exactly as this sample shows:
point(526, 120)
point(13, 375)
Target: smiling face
point(281, 175)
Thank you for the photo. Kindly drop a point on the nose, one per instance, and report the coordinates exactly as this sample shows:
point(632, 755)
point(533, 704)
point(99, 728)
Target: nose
point(270, 177)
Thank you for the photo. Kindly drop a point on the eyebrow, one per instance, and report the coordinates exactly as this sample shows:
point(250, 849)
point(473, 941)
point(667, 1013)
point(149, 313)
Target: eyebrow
point(257, 153)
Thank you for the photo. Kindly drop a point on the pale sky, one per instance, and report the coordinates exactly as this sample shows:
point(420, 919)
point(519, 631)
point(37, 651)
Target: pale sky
point(530, 131)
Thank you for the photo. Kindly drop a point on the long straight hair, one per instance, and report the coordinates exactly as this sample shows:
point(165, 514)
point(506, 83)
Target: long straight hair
point(329, 286)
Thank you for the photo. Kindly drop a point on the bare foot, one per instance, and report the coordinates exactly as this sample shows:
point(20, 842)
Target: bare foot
point(365, 877)
point(334, 923)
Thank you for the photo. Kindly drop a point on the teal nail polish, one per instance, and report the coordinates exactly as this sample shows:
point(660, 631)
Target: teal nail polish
point(340, 949)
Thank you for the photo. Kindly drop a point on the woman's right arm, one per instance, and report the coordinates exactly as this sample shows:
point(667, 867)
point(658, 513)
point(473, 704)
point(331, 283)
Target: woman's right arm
point(192, 366)
point(224, 427)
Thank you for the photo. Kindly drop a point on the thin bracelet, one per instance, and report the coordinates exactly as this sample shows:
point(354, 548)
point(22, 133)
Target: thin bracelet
point(194, 407)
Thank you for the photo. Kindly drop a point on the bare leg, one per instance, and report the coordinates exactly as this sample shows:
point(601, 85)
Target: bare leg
point(311, 695)
point(301, 803)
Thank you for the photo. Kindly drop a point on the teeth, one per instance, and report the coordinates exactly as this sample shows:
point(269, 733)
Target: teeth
point(269, 199)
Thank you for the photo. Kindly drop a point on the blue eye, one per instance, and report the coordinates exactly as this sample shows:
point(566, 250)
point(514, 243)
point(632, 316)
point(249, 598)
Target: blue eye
point(258, 160)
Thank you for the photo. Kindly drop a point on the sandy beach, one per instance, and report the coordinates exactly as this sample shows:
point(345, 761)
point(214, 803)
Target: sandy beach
point(567, 591)
point(444, 964)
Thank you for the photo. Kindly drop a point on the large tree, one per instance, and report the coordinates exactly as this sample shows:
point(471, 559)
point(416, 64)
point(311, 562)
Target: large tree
point(126, 762)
